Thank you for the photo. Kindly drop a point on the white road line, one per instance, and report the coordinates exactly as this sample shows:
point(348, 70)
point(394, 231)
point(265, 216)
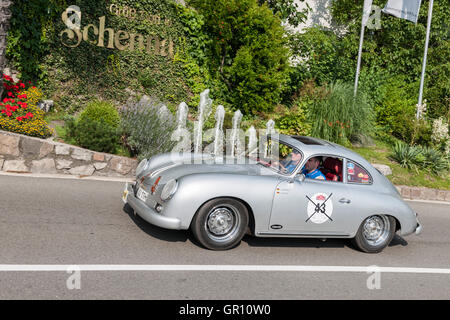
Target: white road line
point(269, 268)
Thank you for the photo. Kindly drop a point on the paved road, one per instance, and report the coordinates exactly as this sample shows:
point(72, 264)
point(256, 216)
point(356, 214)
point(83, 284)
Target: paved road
point(47, 221)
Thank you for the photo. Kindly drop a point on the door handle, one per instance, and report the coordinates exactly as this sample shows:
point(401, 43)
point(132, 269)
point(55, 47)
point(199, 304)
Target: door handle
point(343, 200)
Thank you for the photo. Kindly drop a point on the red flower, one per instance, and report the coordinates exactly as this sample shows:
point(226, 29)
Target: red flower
point(19, 119)
point(29, 115)
point(22, 85)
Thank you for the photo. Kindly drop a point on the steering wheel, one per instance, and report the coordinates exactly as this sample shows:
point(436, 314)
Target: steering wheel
point(277, 164)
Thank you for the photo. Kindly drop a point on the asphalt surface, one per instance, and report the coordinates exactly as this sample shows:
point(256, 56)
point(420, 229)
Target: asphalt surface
point(46, 221)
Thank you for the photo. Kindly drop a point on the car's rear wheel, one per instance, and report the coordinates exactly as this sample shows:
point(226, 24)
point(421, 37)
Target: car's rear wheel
point(375, 233)
point(220, 223)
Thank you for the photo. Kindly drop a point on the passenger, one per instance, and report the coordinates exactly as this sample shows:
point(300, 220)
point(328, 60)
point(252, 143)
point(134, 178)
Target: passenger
point(311, 171)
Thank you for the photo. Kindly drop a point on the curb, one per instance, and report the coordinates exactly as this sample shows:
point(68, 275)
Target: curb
point(422, 193)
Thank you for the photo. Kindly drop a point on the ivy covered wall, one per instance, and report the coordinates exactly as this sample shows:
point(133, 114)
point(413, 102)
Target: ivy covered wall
point(122, 47)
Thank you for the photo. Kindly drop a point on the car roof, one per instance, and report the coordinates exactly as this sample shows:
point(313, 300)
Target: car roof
point(311, 145)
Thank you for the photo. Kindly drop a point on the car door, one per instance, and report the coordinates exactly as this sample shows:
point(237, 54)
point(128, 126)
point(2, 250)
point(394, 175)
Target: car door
point(310, 208)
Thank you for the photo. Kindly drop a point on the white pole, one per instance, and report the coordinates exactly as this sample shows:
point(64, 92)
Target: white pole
point(358, 65)
point(367, 8)
point(427, 38)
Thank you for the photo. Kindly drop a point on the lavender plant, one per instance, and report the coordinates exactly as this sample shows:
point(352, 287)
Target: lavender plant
point(146, 131)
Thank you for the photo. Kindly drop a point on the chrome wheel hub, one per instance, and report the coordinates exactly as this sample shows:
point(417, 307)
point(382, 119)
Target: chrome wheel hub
point(222, 223)
point(376, 230)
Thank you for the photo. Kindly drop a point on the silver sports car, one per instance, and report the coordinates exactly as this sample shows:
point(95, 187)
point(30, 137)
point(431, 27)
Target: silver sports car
point(342, 196)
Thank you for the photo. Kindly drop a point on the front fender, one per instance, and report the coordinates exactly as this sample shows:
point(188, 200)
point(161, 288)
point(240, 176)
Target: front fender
point(194, 190)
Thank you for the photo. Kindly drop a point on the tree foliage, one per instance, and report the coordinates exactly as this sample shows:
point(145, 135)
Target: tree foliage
point(247, 52)
point(398, 47)
point(288, 10)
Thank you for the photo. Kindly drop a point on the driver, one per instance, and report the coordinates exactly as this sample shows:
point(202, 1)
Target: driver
point(292, 164)
point(311, 171)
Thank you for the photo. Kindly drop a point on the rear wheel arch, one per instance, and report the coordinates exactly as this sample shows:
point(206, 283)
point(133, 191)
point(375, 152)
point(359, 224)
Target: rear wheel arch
point(379, 233)
point(397, 222)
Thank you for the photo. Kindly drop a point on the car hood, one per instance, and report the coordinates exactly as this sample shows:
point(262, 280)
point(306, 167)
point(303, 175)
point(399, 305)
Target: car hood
point(175, 171)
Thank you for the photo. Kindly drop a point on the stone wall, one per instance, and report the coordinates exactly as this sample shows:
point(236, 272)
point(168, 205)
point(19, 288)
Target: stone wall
point(23, 154)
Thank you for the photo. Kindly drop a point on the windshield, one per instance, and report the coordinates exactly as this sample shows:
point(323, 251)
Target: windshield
point(280, 157)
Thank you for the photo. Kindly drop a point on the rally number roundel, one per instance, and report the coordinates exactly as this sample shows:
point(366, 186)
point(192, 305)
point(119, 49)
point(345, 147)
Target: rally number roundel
point(320, 208)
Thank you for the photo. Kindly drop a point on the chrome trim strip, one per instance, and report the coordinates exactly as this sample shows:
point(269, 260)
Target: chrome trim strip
point(301, 234)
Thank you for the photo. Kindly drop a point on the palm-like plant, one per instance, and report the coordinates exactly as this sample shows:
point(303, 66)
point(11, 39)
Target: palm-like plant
point(407, 156)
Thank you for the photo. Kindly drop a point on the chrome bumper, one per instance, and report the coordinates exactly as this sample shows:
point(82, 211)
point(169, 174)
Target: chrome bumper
point(147, 213)
point(418, 229)
point(419, 226)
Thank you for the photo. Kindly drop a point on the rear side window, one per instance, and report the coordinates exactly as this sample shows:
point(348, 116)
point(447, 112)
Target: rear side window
point(357, 174)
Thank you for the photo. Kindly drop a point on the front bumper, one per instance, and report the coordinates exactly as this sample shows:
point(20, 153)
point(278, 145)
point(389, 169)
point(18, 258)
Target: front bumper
point(147, 213)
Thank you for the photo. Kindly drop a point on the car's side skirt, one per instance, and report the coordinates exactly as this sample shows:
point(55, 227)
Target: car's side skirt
point(301, 235)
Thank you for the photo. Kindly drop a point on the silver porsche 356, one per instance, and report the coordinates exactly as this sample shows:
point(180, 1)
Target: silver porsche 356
point(221, 202)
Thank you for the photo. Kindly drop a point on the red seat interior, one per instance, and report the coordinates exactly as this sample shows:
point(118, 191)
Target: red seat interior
point(333, 169)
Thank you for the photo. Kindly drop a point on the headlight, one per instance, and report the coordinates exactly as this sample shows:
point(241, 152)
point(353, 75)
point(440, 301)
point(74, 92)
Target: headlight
point(141, 166)
point(169, 189)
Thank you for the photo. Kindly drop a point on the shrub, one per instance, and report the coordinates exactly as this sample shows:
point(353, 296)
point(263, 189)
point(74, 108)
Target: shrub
point(96, 128)
point(96, 135)
point(101, 111)
point(418, 132)
point(440, 136)
point(145, 132)
point(292, 121)
point(316, 50)
point(336, 115)
point(396, 109)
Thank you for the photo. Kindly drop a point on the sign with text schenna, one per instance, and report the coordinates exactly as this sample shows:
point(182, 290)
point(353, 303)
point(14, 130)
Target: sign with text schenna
point(99, 34)
point(117, 49)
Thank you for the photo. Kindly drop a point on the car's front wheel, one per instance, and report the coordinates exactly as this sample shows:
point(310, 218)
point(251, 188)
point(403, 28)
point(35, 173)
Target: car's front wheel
point(220, 223)
point(375, 233)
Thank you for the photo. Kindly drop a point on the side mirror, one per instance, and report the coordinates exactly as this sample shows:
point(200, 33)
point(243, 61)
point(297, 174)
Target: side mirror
point(301, 177)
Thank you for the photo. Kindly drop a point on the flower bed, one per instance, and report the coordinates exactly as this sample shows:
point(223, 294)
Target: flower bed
point(18, 110)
